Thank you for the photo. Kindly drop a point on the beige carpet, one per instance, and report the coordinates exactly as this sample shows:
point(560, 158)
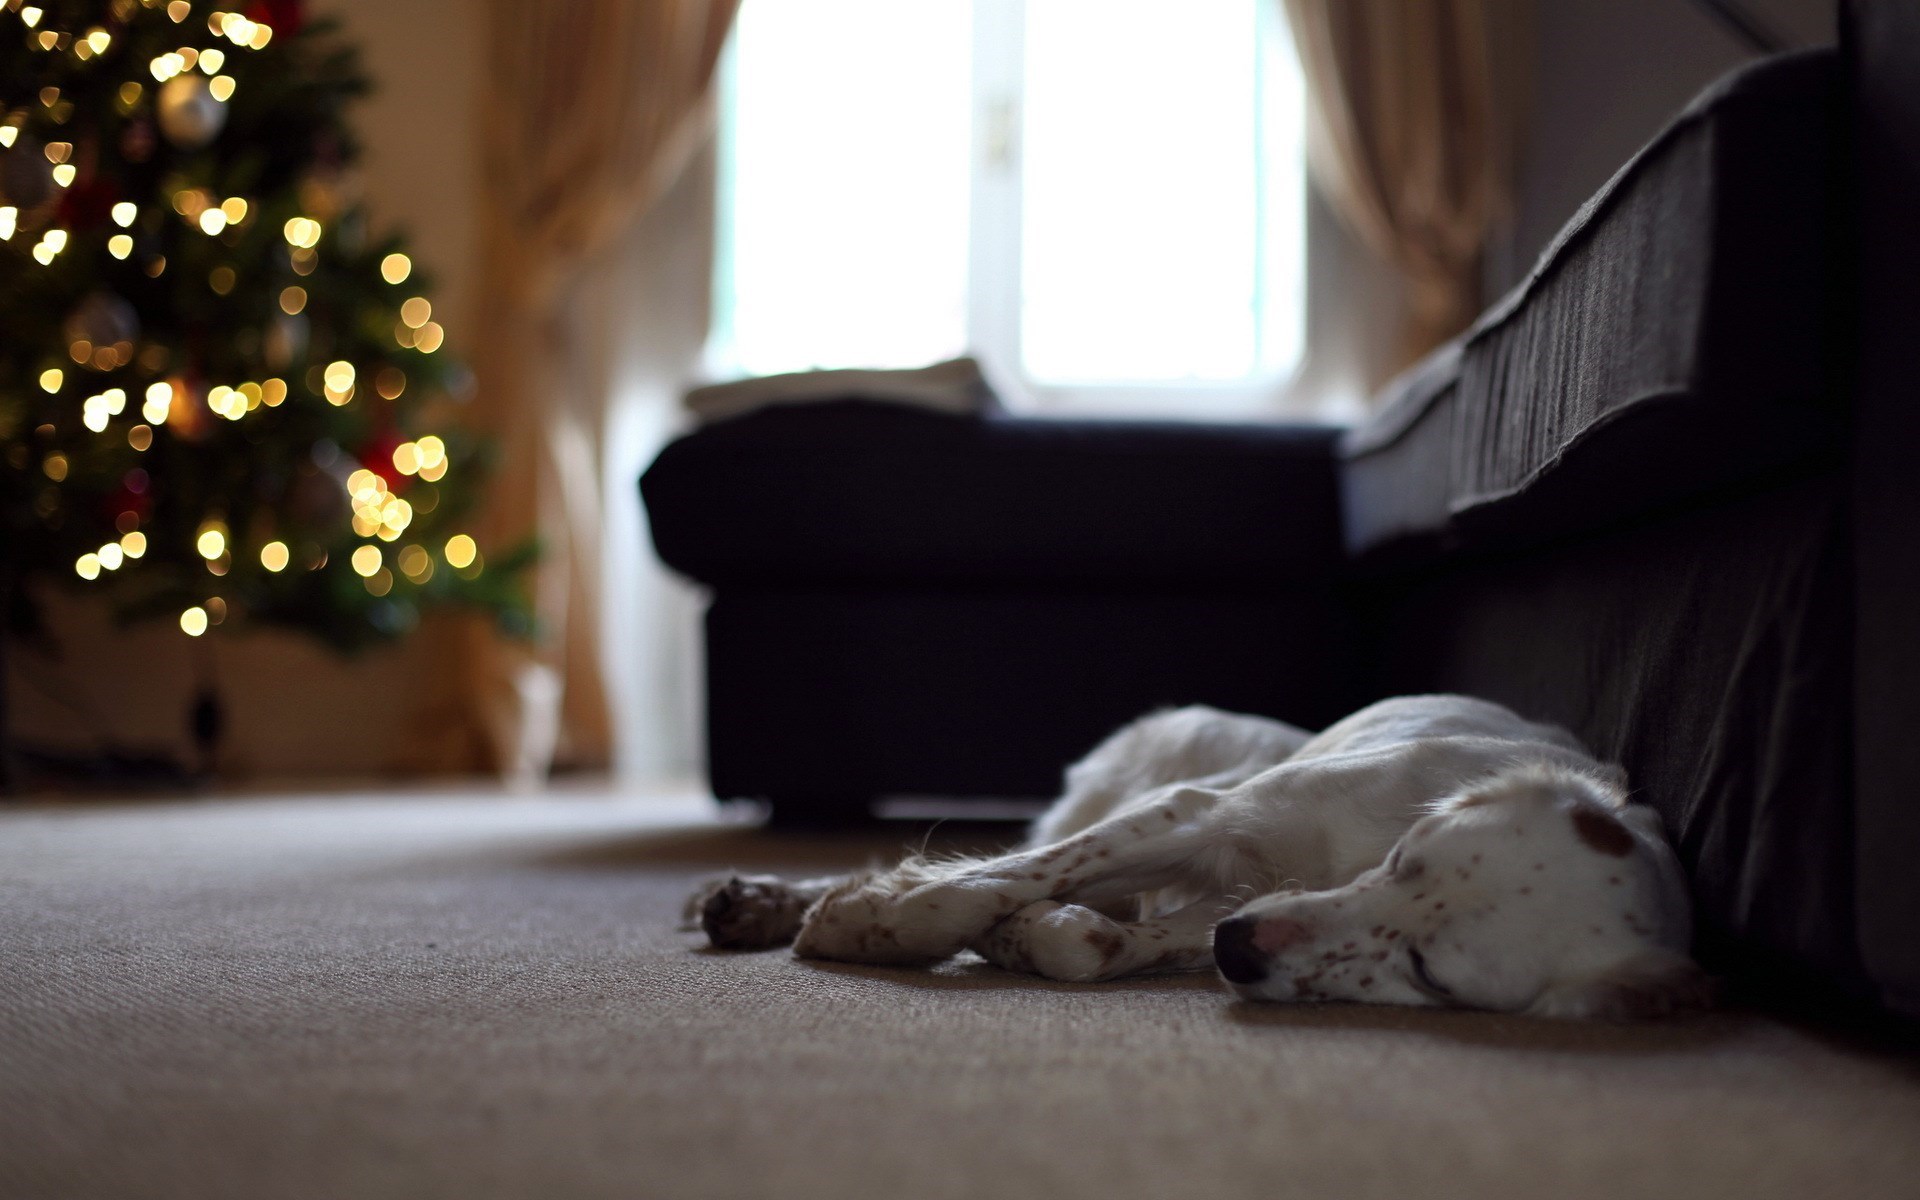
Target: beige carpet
point(473, 997)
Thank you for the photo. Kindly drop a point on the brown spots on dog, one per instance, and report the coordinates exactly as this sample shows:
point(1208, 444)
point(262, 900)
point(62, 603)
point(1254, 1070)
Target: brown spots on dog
point(1602, 832)
point(1420, 896)
point(1348, 945)
point(1614, 880)
point(1410, 870)
point(1438, 905)
point(1376, 931)
point(1539, 866)
point(1168, 814)
point(1392, 934)
point(1476, 858)
point(1366, 981)
point(1109, 944)
point(1526, 891)
point(1104, 853)
point(1037, 876)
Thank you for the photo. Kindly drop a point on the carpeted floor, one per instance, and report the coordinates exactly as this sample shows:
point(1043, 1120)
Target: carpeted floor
point(469, 997)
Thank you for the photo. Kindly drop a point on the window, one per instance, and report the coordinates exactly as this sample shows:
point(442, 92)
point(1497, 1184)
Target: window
point(1102, 198)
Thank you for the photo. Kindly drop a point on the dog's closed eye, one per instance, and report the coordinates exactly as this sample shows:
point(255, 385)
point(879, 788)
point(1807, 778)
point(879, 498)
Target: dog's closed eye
point(1423, 977)
point(1402, 868)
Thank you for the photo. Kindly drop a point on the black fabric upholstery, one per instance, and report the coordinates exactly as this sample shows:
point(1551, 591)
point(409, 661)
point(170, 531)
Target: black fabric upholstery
point(1669, 343)
point(910, 602)
point(820, 694)
point(1884, 105)
point(861, 492)
point(1709, 653)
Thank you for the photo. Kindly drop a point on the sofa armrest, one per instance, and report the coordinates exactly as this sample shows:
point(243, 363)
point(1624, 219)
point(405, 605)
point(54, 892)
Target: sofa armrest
point(853, 492)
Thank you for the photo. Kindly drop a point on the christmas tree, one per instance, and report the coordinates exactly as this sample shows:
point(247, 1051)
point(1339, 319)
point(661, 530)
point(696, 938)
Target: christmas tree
point(222, 399)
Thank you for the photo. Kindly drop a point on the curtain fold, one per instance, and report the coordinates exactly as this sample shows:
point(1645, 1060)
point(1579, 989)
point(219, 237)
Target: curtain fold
point(1411, 137)
point(592, 108)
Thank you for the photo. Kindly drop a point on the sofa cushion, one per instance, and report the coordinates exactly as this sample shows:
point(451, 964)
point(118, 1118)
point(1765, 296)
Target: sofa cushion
point(860, 492)
point(1673, 340)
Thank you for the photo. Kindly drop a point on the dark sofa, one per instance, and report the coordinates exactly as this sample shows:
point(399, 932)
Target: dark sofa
point(1663, 493)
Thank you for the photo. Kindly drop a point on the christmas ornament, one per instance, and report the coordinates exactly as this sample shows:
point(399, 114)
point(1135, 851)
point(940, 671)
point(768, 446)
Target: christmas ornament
point(377, 453)
point(26, 177)
point(188, 415)
point(286, 340)
point(188, 113)
point(315, 498)
point(286, 17)
point(137, 140)
point(103, 319)
point(459, 383)
point(326, 193)
point(87, 203)
point(127, 501)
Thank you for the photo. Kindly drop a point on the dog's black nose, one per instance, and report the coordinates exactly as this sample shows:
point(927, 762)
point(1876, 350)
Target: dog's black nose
point(1239, 960)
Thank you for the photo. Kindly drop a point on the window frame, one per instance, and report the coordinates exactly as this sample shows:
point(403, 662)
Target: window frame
point(994, 252)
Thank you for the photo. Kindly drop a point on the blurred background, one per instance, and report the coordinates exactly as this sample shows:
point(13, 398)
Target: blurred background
point(1115, 212)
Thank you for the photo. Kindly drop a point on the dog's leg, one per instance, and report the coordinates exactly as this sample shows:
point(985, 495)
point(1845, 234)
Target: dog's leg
point(922, 912)
point(753, 912)
point(1075, 944)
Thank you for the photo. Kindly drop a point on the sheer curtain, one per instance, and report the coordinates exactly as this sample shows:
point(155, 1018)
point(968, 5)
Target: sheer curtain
point(1411, 136)
point(593, 109)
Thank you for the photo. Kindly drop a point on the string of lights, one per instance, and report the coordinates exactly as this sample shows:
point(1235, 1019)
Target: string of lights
point(222, 397)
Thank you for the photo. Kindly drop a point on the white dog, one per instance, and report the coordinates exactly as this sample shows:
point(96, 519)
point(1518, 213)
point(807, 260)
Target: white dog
point(1433, 850)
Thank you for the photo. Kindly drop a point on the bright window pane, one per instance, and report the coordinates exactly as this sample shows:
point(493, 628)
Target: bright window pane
point(1160, 235)
point(845, 173)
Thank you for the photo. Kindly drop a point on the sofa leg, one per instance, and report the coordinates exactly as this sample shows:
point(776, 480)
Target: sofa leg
point(814, 812)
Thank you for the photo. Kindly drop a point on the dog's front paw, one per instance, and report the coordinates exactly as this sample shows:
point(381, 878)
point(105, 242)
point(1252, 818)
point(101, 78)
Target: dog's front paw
point(872, 921)
point(748, 912)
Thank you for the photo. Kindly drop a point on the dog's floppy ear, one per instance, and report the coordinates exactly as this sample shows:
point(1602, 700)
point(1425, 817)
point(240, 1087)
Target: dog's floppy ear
point(1615, 777)
point(1653, 983)
point(1645, 819)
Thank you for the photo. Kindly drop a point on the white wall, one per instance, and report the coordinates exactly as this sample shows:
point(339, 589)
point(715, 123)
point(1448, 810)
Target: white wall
point(1607, 74)
point(419, 132)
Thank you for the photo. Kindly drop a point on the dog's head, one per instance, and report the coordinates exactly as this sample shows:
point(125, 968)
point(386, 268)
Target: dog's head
point(1537, 890)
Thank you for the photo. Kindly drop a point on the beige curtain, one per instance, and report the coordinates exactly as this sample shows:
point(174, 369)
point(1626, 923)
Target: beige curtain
point(1411, 137)
point(592, 108)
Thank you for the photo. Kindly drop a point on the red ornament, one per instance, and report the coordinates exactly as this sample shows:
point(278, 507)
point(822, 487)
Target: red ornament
point(285, 16)
point(137, 140)
point(129, 499)
point(188, 415)
point(376, 455)
point(88, 203)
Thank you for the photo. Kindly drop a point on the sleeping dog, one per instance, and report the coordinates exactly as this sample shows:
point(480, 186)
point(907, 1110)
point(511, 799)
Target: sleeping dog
point(1434, 850)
